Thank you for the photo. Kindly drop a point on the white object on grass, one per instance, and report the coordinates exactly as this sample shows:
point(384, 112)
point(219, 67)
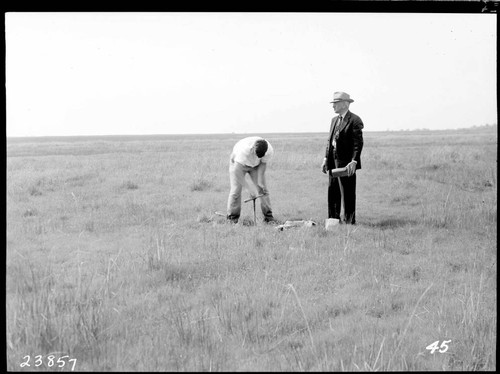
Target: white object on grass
point(331, 223)
point(299, 223)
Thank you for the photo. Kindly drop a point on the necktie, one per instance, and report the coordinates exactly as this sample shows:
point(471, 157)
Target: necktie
point(337, 126)
point(335, 131)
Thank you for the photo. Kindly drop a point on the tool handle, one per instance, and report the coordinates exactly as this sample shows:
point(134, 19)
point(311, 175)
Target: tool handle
point(253, 198)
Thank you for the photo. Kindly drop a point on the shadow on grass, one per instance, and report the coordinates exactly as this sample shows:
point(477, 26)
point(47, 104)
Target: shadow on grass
point(390, 223)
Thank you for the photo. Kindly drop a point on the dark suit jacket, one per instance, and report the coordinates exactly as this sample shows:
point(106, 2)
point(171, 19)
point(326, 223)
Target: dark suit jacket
point(349, 143)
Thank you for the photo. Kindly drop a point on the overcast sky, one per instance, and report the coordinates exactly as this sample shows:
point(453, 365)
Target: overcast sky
point(188, 73)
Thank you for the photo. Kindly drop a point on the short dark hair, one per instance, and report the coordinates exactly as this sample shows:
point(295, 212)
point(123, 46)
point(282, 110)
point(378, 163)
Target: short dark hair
point(260, 148)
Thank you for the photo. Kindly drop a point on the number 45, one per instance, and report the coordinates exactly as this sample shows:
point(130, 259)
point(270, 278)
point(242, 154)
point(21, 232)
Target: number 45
point(432, 347)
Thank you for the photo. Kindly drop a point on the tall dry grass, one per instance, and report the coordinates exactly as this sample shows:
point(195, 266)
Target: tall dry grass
point(115, 256)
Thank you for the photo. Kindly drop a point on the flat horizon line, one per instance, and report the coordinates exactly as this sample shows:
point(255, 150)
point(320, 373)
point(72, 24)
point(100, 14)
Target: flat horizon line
point(241, 133)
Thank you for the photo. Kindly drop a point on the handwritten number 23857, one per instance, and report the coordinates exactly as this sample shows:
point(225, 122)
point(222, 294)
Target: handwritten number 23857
point(51, 361)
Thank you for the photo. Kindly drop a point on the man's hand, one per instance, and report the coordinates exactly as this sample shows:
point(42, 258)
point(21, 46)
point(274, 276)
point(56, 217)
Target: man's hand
point(351, 168)
point(323, 166)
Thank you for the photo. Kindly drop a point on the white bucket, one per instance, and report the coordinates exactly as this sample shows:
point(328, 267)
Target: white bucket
point(331, 223)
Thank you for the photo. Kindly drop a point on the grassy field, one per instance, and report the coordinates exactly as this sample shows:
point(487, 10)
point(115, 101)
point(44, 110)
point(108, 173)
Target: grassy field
point(116, 259)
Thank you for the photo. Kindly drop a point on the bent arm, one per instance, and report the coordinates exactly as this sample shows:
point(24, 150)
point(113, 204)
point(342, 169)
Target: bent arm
point(357, 137)
point(261, 175)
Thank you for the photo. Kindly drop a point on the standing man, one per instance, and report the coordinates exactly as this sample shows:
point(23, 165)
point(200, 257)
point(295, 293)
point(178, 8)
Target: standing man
point(250, 156)
point(343, 149)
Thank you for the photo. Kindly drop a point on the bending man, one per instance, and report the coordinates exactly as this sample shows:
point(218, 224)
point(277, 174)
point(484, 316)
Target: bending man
point(250, 156)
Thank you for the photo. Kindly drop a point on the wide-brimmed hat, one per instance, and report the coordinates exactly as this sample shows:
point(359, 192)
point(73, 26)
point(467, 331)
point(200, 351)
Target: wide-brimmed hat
point(341, 96)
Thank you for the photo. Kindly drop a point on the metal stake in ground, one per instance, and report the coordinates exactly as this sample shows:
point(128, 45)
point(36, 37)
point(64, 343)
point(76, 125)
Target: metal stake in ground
point(253, 199)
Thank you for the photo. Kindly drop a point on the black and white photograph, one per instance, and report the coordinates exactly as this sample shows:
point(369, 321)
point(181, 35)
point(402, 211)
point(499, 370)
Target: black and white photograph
point(251, 191)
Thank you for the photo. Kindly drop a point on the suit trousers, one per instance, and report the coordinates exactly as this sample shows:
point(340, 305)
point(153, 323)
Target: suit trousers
point(237, 174)
point(337, 187)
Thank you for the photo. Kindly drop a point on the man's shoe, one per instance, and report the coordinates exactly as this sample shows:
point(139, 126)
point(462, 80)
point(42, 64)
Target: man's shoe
point(231, 220)
point(271, 221)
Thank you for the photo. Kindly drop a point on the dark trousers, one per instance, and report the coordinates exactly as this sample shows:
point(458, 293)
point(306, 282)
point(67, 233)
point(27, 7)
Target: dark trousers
point(335, 197)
